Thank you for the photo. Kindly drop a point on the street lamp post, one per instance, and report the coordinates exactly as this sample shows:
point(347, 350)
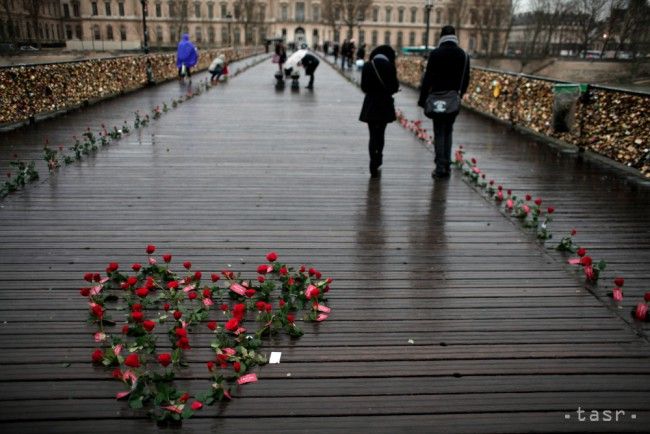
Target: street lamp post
point(229, 18)
point(428, 5)
point(145, 44)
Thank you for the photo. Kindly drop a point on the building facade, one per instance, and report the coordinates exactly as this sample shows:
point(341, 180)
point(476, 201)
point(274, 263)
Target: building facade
point(31, 22)
point(117, 24)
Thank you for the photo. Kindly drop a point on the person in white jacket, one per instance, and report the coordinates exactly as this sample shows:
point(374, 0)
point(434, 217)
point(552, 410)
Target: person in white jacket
point(291, 65)
point(216, 67)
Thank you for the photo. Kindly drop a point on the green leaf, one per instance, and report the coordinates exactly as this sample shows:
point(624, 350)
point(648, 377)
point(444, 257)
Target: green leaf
point(136, 403)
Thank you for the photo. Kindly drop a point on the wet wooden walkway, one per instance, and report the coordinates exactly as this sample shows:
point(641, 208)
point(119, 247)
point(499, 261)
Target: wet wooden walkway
point(504, 339)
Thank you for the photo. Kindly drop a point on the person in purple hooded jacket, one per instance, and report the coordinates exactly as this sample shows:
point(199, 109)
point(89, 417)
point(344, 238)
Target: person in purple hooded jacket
point(187, 55)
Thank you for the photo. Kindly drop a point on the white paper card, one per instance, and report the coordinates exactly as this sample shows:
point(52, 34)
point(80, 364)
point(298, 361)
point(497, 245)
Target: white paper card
point(275, 357)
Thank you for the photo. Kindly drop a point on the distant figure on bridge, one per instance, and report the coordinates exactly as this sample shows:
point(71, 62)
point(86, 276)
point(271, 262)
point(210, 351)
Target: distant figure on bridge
point(217, 67)
point(379, 83)
point(280, 55)
point(446, 75)
point(335, 52)
point(310, 63)
point(186, 57)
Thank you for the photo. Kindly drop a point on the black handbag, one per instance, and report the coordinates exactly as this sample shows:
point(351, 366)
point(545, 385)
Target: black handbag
point(444, 102)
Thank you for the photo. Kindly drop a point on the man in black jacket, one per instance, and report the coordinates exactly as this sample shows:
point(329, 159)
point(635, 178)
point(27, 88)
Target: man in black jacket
point(447, 69)
point(310, 63)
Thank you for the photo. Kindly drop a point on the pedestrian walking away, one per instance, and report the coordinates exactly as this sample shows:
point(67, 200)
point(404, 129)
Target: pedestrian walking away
point(379, 83)
point(281, 54)
point(186, 57)
point(447, 70)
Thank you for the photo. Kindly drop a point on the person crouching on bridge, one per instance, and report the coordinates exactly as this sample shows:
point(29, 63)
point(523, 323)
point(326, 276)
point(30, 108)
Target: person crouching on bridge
point(447, 72)
point(310, 63)
point(186, 57)
point(379, 83)
point(216, 68)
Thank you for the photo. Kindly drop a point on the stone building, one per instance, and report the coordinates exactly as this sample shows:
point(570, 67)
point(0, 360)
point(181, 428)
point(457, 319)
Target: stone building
point(117, 24)
point(31, 22)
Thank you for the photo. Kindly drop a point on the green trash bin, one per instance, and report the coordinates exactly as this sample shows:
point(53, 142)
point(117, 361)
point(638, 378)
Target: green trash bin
point(565, 99)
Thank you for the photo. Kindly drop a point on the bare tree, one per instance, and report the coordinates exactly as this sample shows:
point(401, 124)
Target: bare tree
point(331, 14)
point(588, 14)
point(511, 11)
point(245, 13)
point(33, 11)
point(178, 14)
point(489, 24)
point(10, 35)
point(345, 12)
point(633, 30)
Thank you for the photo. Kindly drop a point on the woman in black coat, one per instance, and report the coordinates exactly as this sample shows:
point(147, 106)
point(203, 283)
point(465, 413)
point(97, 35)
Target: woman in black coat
point(379, 83)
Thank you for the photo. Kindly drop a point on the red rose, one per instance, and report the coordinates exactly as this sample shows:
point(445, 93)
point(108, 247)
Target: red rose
point(509, 192)
point(284, 271)
point(573, 232)
point(125, 329)
point(290, 282)
point(98, 311)
point(224, 307)
point(550, 210)
point(291, 318)
point(261, 279)
point(586, 261)
point(167, 258)
point(180, 332)
point(260, 305)
point(528, 197)
point(282, 303)
point(184, 397)
point(318, 275)
point(581, 252)
point(197, 405)
point(137, 307)
point(210, 366)
point(137, 316)
point(150, 249)
point(117, 373)
point(207, 293)
point(314, 293)
point(228, 274)
point(250, 292)
point(473, 160)
point(214, 277)
point(538, 201)
point(191, 295)
point(166, 306)
point(183, 343)
point(619, 281)
point(142, 292)
point(132, 360)
point(88, 277)
point(197, 275)
point(187, 265)
point(136, 267)
point(148, 325)
point(302, 268)
point(641, 311)
point(312, 271)
point(268, 307)
point(272, 257)
point(646, 296)
point(239, 310)
point(112, 267)
point(236, 366)
point(84, 291)
point(131, 281)
point(212, 325)
point(262, 269)
point(326, 289)
point(232, 324)
point(98, 356)
point(500, 188)
point(165, 359)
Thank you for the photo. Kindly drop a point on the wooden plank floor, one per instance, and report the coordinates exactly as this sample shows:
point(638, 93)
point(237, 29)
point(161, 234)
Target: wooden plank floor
point(504, 339)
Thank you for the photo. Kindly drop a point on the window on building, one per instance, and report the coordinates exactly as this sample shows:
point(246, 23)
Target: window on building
point(237, 10)
point(337, 14)
point(375, 15)
point(424, 38)
point(75, 9)
point(198, 34)
point(414, 15)
point(159, 34)
point(412, 39)
point(389, 11)
point(79, 31)
point(211, 36)
point(66, 10)
point(224, 35)
point(284, 12)
point(451, 15)
point(123, 33)
point(438, 16)
point(107, 8)
point(374, 38)
point(300, 11)
point(120, 8)
point(237, 36)
point(400, 15)
point(224, 10)
point(97, 34)
point(362, 37)
point(210, 10)
point(262, 12)
point(159, 10)
point(184, 9)
point(316, 13)
point(68, 31)
point(109, 32)
point(93, 7)
point(400, 39)
point(197, 10)
point(387, 37)
point(472, 17)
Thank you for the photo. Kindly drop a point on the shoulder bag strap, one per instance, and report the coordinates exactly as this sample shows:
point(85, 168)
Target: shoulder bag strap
point(377, 73)
point(462, 74)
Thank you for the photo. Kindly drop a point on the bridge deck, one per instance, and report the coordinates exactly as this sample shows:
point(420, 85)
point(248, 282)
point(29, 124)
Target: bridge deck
point(504, 338)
